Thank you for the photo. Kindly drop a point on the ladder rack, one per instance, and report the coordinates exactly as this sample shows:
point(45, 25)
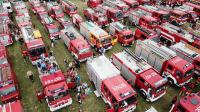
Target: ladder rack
point(133, 55)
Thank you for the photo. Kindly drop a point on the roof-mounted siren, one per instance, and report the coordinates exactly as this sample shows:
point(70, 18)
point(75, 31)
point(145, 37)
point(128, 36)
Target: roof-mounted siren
point(132, 54)
point(159, 49)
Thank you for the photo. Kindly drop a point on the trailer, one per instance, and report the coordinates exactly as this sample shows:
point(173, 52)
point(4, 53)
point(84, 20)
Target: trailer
point(33, 45)
point(69, 7)
point(138, 18)
point(123, 34)
point(178, 35)
point(96, 36)
point(113, 89)
point(188, 103)
point(186, 52)
point(9, 89)
point(98, 18)
point(5, 34)
point(177, 70)
point(76, 44)
point(15, 106)
point(141, 75)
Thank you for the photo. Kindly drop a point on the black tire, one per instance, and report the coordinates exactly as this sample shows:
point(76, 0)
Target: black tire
point(170, 81)
point(143, 94)
point(96, 49)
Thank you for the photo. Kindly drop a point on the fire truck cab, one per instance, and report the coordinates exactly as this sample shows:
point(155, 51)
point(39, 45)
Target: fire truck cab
point(150, 84)
point(177, 34)
point(33, 45)
point(113, 14)
point(177, 70)
point(161, 15)
point(9, 89)
point(4, 16)
point(96, 36)
point(187, 52)
point(94, 3)
point(131, 3)
point(98, 18)
point(109, 84)
point(189, 103)
point(117, 4)
point(55, 90)
point(15, 106)
point(69, 7)
point(5, 34)
point(76, 44)
point(137, 17)
point(122, 33)
point(76, 20)
point(55, 10)
point(52, 28)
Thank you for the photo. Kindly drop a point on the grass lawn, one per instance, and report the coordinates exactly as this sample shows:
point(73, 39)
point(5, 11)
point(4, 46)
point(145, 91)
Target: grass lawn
point(91, 103)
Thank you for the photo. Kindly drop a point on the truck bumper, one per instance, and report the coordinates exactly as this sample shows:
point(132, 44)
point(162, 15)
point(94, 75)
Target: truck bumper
point(85, 59)
point(153, 98)
point(130, 109)
point(52, 109)
point(182, 84)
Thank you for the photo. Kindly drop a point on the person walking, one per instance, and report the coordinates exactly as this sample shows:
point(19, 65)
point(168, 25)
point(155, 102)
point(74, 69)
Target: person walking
point(52, 42)
point(30, 75)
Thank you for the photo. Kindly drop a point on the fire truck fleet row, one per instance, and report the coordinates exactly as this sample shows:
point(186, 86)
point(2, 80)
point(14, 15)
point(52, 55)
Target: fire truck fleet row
point(163, 53)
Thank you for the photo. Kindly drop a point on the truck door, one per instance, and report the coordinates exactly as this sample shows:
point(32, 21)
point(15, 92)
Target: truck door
point(142, 83)
point(169, 69)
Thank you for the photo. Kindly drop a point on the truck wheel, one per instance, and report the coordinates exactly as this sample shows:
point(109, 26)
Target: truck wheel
point(170, 81)
point(143, 94)
point(96, 49)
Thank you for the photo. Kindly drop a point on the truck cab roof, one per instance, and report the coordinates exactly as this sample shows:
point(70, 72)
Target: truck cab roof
point(119, 88)
point(190, 103)
point(56, 88)
point(15, 106)
point(35, 43)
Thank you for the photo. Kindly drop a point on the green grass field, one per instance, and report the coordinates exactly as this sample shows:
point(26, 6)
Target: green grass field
point(91, 103)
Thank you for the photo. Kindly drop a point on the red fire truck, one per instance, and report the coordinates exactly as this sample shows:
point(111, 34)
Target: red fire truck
point(177, 70)
point(150, 84)
point(5, 34)
point(55, 10)
point(39, 9)
point(33, 45)
point(131, 3)
point(69, 7)
point(142, 33)
point(9, 89)
point(94, 3)
point(76, 44)
point(34, 5)
point(55, 90)
point(42, 15)
point(187, 52)
point(113, 89)
point(4, 16)
point(178, 17)
point(113, 14)
point(21, 9)
point(15, 106)
point(117, 4)
point(76, 20)
point(22, 20)
point(96, 36)
point(178, 34)
point(64, 22)
point(161, 15)
point(136, 17)
point(122, 33)
point(193, 7)
point(98, 18)
point(52, 28)
point(189, 103)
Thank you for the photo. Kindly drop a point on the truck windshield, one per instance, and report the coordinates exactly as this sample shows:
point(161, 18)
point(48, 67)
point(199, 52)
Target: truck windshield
point(59, 11)
point(57, 96)
point(119, 14)
point(7, 91)
point(85, 50)
point(37, 51)
point(74, 8)
point(105, 40)
point(128, 36)
point(165, 17)
point(127, 102)
point(53, 30)
point(4, 18)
